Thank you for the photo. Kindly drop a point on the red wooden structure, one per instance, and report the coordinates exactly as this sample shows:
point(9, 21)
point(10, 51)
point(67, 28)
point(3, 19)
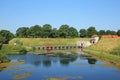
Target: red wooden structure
point(48, 45)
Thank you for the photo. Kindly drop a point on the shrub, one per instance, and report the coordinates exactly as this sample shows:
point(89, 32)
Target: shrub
point(0, 46)
point(3, 58)
point(33, 49)
point(23, 51)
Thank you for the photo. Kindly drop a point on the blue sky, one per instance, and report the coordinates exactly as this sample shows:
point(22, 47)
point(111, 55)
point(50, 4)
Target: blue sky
point(102, 14)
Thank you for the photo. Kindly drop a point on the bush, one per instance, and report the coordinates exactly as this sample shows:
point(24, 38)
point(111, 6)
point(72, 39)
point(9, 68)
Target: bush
point(0, 46)
point(23, 51)
point(3, 58)
point(33, 49)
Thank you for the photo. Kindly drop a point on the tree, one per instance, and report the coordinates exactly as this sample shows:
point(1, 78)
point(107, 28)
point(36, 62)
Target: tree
point(72, 32)
point(101, 32)
point(22, 32)
point(113, 32)
point(46, 30)
point(91, 31)
point(118, 32)
point(6, 35)
point(35, 31)
point(2, 39)
point(83, 33)
point(54, 33)
point(108, 32)
point(63, 31)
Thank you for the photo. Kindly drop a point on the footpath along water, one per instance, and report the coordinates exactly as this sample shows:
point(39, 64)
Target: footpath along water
point(42, 67)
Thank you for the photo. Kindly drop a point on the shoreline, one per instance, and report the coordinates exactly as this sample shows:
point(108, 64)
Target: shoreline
point(105, 57)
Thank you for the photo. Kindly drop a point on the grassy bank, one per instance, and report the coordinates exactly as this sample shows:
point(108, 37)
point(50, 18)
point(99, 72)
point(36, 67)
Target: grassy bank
point(11, 49)
point(29, 44)
point(104, 50)
point(32, 42)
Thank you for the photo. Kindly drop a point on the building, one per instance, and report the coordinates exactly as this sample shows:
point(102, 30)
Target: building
point(110, 36)
point(94, 39)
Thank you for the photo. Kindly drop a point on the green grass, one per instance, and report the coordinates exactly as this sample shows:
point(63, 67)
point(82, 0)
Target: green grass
point(116, 51)
point(33, 42)
point(106, 45)
point(102, 55)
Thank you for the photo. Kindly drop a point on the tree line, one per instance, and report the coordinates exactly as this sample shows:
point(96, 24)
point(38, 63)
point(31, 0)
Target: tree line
point(64, 31)
point(46, 31)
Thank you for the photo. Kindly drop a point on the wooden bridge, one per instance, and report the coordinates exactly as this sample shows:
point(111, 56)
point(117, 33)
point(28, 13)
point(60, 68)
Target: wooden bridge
point(59, 47)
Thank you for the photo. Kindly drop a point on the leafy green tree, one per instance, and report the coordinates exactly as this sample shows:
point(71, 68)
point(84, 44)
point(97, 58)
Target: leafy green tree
point(113, 32)
point(108, 32)
point(101, 32)
point(54, 33)
point(72, 32)
point(63, 31)
point(2, 39)
point(22, 32)
point(118, 32)
point(6, 35)
point(35, 31)
point(83, 33)
point(46, 30)
point(91, 31)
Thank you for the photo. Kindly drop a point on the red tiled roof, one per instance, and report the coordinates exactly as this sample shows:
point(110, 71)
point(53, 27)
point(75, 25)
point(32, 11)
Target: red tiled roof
point(47, 44)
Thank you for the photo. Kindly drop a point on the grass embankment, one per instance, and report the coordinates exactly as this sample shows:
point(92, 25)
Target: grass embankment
point(29, 44)
point(32, 42)
point(106, 49)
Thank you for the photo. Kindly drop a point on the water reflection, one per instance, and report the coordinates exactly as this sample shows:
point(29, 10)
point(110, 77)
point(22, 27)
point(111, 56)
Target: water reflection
point(47, 63)
point(92, 60)
point(37, 63)
point(37, 60)
point(64, 62)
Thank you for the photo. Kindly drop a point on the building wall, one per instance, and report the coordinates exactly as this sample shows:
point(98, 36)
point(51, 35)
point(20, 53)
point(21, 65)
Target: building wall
point(110, 36)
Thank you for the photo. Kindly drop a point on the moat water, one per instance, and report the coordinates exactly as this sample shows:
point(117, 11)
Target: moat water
point(42, 67)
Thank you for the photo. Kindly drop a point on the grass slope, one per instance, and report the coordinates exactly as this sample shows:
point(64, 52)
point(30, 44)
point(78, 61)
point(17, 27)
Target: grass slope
point(29, 44)
point(104, 48)
point(33, 42)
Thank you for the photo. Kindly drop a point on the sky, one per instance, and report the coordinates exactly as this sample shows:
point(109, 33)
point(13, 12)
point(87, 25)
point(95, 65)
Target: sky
point(80, 14)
